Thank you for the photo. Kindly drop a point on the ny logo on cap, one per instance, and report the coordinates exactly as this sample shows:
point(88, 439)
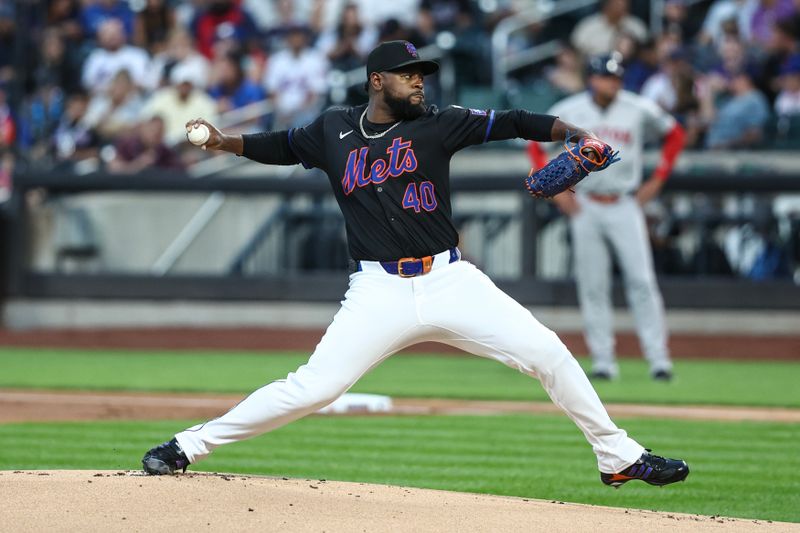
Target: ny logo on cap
point(412, 50)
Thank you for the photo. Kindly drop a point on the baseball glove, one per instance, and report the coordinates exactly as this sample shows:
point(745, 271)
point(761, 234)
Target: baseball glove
point(570, 166)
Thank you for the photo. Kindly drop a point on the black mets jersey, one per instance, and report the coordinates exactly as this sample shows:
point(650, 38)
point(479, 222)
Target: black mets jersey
point(394, 189)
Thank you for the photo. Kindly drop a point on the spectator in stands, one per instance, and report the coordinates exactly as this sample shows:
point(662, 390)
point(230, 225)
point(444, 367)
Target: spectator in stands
point(788, 101)
point(660, 87)
point(42, 114)
point(152, 26)
point(224, 20)
point(346, 46)
point(739, 13)
point(730, 34)
point(673, 88)
point(739, 122)
point(64, 16)
point(179, 51)
point(764, 18)
point(641, 61)
point(566, 76)
point(783, 44)
point(376, 13)
point(95, 13)
point(8, 134)
point(271, 14)
point(598, 34)
point(471, 53)
point(687, 105)
point(73, 140)
point(435, 16)
point(232, 89)
point(180, 101)
point(53, 66)
point(734, 57)
point(676, 19)
point(393, 30)
point(295, 80)
point(143, 149)
point(285, 14)
point(8, 35)
point(112, 56)
point(6, 176)
point(113, 112)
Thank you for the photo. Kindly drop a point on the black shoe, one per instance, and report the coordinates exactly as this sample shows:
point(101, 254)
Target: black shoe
point(165, 459)
point(600, 375)
point(662, 375)
point(651, 469)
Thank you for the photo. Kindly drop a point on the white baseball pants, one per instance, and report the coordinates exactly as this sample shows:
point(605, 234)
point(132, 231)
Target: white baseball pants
point(455, 304)
point(621, 227)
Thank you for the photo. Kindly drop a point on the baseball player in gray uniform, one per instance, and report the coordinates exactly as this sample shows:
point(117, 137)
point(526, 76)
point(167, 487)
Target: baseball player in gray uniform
point(388, 165)
point(606, 215)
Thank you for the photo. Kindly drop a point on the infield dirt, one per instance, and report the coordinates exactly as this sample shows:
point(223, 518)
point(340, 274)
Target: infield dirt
point(83, 500)
point(48, 406)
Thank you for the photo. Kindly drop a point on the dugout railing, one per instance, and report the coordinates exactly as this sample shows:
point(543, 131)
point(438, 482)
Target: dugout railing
point(296, 251)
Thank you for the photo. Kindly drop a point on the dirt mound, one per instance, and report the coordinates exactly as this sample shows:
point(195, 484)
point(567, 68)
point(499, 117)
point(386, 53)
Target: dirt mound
point(129, 501)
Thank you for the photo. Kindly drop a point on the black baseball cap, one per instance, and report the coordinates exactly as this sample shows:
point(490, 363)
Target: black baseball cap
point(606, 65)
point(394, 55)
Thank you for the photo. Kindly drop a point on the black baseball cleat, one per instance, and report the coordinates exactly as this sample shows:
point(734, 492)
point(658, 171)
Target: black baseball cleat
point(662, 375)
point(652, 469)
point(165, 459)
point(600, 375)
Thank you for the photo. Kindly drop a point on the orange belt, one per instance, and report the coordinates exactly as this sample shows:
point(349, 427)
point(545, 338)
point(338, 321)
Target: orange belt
point(409, 267)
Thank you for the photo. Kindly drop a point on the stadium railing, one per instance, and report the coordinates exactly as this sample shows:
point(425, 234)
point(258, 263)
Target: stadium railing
point(284, 239)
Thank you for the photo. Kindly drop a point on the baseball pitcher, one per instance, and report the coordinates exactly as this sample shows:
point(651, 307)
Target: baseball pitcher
point(388, 164)
point(605, 215)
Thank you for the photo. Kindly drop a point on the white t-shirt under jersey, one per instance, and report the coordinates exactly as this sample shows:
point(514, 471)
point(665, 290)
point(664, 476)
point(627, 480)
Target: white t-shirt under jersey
point(625, 124)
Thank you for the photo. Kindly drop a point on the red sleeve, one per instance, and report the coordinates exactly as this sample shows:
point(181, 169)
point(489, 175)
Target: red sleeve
point(673, 145)
point(8, 131)
point(537, 155)
point(204, 32)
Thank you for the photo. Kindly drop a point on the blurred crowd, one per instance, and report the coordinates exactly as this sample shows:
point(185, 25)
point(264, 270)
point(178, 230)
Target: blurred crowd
point(85, 83)
point(728, 70)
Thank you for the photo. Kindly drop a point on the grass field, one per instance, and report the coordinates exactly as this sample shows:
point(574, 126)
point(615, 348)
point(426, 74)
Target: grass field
point(738, 469)
point(768, 383)
point(744, 469)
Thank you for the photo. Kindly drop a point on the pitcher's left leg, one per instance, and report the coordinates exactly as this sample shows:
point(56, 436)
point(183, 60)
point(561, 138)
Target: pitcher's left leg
point(476, 316)
point(632, 246)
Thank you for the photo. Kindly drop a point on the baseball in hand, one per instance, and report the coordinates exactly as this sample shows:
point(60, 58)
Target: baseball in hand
point(199, 135)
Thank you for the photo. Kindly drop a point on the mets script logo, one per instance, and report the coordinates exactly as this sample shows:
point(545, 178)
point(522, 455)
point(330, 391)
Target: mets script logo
point(401, 160)
point(412, 50)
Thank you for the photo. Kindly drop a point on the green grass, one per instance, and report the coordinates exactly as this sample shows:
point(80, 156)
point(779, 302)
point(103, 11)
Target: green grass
point(738, 469)
point(768, 383)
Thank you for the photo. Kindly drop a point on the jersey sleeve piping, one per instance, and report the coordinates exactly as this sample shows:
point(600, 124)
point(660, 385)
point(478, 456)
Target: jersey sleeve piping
point(291, 146)
point(489, 126)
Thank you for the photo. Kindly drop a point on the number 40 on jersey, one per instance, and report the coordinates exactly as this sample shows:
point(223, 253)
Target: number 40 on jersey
point(419, 196)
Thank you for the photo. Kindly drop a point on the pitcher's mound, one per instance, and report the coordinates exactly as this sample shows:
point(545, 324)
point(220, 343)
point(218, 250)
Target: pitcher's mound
point(82, 500)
